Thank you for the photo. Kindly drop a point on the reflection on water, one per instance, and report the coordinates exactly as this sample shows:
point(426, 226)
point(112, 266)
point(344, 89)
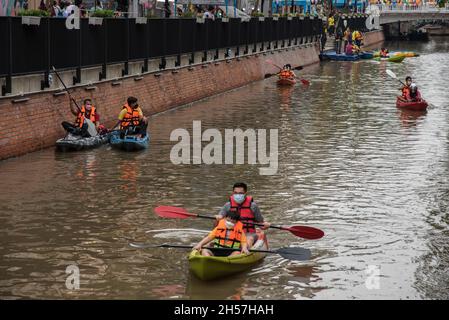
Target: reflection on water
point(373, 177)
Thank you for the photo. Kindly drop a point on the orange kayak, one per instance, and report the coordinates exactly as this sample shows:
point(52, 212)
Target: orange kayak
point(415, 105)
point(286, 81)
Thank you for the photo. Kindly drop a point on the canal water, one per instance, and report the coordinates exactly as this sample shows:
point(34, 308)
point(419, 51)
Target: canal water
point(374, 178)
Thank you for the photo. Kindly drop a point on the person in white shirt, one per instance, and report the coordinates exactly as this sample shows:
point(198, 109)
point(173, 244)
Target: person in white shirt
point(70, 9)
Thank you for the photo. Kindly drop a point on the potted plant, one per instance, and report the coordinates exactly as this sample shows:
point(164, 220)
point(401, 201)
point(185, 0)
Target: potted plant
point(32, 17)
point(96, 18)
point(276, 16)
point(200, 18)
point(259, 15)
point(141, 20)
point(188, 15)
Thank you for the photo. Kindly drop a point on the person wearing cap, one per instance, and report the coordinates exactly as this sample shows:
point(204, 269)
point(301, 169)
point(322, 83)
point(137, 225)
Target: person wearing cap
point(227, 234)
point(131, 119)
point(249, 212)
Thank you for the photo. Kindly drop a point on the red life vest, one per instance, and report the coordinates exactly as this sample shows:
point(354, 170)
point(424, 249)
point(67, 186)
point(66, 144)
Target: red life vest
point(245, 212)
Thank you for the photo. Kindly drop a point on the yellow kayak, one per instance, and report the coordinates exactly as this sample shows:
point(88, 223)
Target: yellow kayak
point(408, 54)
point(208, 268)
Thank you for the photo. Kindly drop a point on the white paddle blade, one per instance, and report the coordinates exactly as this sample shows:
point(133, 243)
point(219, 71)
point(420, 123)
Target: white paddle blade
point(391, 74)
point(91, 128)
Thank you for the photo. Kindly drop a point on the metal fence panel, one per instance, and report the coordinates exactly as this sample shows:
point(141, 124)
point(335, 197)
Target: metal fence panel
point(201, 36)
point(28, 47)
point(137, 40)
point(156, 37)
point(4, 47)
point(117, 39)
point(234, 32)
point(172, 37)
point(187, 29)
point(64, 45)
point(92, 44)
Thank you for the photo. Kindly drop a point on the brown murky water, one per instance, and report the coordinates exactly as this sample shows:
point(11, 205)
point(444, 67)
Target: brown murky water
point(374, 178)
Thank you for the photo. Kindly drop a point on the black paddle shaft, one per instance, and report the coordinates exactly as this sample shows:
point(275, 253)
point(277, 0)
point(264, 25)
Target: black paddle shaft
point(291, 253)
point(249, 223)
point(66, 89)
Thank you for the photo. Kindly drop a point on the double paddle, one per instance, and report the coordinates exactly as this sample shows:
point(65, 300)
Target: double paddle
point(291, 253)
point(90, 125)
point(304, 81)
point(394, 76)
point(180, 213)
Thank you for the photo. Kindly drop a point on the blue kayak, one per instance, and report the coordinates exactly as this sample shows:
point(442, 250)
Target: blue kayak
point(367, 55)
point(332, 55)
point(130, 142)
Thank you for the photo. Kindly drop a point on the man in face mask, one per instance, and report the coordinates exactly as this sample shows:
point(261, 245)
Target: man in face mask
point(247, 209)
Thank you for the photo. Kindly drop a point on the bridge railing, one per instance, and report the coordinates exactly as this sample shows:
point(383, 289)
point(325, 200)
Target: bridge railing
point(403, 8)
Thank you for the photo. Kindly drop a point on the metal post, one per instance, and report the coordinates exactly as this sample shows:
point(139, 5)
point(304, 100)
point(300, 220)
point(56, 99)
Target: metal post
point(77, 77)
point(103, 72)
point(178, 58)
point(164, 45)
point(192, 56)
point(45, 83)
point(147, 48)
point(206, 25)
point(6, 88)
point(125, 70)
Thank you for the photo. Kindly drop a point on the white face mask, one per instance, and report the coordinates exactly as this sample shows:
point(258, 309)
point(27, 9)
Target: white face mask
point(229, 224)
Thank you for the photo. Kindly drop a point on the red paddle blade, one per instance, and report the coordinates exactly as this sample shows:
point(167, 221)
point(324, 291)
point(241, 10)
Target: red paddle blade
point(310, 233)
point(173, 212)
point(305, 82)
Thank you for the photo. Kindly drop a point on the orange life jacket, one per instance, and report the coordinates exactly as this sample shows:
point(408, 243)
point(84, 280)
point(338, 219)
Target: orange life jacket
point(286, 74)
point(131, 117)
point(81, 115)
point(233, 238)
point(245, 212)
point(406, 92)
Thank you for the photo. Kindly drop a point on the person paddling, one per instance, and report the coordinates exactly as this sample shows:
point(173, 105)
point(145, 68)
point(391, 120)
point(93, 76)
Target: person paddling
point(287, 73)
point(357, 38)
point(227, 234)
point(248, 210)
point(384, 53)
point(131, 119)
point(80, 127)
point(406, 88)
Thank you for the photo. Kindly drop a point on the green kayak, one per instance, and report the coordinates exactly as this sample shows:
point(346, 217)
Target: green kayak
point(391, 59)
point(208, 268)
